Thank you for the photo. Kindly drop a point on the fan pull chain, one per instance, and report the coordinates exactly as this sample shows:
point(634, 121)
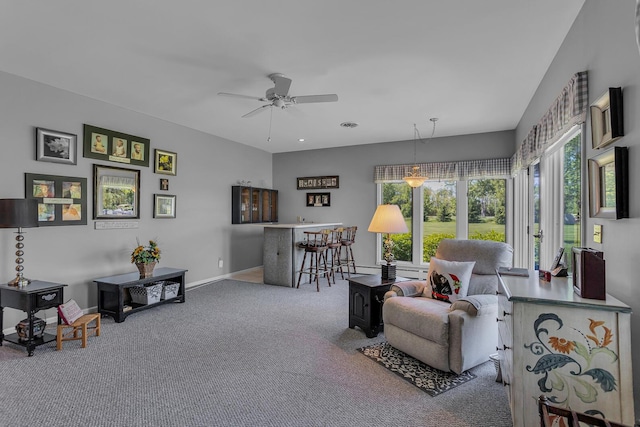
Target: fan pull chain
point(270, 120)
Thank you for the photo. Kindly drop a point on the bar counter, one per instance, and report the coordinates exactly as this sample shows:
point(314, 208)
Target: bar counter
point(281, 256)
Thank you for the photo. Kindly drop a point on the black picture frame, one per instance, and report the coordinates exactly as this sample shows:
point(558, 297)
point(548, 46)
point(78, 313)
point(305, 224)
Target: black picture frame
point(318, 182)
point(164, 184)
point(318, 199)
point(116, 193)
point(57, 147)
point(609, 184)
point(164, 206)
point(607, 123)
point(62, 200)
point(113, 146)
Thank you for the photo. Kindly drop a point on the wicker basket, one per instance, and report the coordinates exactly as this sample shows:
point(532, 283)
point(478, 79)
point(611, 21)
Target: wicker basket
point(170, 290)
point(146, 294)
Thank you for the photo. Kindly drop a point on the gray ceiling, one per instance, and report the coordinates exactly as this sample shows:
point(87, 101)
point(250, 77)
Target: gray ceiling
point(473, 64)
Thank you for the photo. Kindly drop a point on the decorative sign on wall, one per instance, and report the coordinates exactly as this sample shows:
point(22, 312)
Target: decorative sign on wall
point(318, 182)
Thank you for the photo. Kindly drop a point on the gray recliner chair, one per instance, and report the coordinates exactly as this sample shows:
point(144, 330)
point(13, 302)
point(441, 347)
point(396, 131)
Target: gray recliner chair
point(450, 337)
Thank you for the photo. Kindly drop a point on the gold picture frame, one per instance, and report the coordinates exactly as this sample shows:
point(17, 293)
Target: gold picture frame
point(607, 123)
point(609, 184)
point(166, 162)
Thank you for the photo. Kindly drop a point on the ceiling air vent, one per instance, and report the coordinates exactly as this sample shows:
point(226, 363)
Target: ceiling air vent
point(349, 125)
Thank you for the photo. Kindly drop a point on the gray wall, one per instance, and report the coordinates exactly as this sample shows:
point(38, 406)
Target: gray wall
point(355, 201)
point(602, 41)
point(202, 232)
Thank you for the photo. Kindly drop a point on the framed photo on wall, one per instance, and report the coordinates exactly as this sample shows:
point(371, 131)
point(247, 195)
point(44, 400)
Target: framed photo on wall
point(62, 200)
point(104, 144)
point(318, 199)
point(166, 162)
point(164, 206)
point(55, 146)
point(116, 193)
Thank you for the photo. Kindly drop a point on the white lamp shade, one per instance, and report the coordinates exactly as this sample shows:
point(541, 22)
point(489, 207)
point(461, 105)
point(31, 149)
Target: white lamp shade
point(388, 219)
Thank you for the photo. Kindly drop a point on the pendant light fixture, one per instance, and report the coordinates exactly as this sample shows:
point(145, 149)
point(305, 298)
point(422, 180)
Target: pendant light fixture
point(415, 178)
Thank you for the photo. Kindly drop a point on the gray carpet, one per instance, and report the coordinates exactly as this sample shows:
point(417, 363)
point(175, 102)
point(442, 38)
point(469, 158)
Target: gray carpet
point(235, 354)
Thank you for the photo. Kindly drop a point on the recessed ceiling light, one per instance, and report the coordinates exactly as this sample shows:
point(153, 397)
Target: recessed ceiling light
point(349, 125)
point(301, 140)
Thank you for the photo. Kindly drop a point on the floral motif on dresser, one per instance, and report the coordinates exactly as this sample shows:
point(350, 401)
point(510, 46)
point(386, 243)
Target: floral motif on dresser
point(585, 353)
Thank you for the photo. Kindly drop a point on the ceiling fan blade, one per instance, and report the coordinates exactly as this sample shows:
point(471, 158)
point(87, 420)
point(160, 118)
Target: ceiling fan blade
point(256, 111)
point(235, 95)
point(282, 84)
point(306, 99)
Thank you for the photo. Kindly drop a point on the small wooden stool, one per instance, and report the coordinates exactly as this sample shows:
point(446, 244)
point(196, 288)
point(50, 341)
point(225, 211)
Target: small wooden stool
point(80, 330)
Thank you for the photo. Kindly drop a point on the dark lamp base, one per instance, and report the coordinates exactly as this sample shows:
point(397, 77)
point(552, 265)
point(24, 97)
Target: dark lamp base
point(388, 271)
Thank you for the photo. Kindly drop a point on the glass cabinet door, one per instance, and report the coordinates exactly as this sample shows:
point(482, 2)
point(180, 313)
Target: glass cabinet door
point(245, 205)
point(255, 205)
point(273, 215)
point(266, 206)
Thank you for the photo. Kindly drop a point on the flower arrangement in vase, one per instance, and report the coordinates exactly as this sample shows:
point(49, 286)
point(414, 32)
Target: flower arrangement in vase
point(146, 257)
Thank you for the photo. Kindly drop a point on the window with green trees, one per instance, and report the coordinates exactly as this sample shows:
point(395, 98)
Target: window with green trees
point(438, 205)
point(396, 193)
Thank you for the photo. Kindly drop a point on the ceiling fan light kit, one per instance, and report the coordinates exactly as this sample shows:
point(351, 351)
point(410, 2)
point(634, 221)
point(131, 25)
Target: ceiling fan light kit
point(278, 96)
point(415, 178)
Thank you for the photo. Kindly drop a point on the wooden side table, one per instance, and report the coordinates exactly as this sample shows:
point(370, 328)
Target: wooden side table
point(36, 296)
point(366, 295)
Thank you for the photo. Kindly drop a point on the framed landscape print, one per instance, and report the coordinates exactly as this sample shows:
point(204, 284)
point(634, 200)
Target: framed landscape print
point(57, 147)
point(104, 144)
point(318, 182)
point(166, 162)
point(62, 200)
point(116, 193)
point(164, 206)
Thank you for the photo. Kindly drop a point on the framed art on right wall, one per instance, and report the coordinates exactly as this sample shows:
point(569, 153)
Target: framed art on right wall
point(607, 123)
point(609, 184)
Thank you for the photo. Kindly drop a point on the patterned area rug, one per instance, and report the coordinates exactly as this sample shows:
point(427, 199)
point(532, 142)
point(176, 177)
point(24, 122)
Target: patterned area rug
point(426, 378)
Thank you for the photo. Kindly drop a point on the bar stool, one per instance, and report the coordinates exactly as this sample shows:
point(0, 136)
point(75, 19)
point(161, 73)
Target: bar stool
point(348, 239)
point(334, 243)
point(316, 245)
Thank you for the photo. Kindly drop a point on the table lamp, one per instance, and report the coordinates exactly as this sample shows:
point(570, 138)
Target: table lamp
point(388, 219)
point(19, 213)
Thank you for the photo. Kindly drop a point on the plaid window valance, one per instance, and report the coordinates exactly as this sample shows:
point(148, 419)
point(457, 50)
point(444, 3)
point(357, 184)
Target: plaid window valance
point(469, 169)
point(569, 109)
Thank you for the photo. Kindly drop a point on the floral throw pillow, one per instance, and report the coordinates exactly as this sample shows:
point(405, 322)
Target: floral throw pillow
point(448, 280)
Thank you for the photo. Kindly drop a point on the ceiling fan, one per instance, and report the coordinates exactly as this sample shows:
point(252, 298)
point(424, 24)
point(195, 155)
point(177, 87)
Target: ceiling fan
point(278, 96)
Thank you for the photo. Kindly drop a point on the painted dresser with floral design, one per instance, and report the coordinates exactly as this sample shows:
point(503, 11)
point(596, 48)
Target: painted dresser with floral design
point(575, 351)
